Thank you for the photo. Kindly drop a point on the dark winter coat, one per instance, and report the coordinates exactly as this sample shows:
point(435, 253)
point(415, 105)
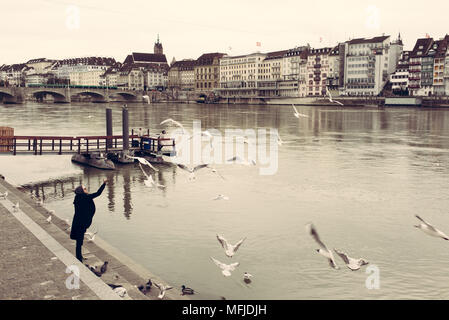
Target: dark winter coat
point(84, 211)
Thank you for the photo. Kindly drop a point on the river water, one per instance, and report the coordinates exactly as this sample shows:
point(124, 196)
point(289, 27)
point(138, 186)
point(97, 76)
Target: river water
point(359, 174)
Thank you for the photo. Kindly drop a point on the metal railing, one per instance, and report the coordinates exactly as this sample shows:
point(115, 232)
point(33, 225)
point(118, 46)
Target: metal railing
point(39, 145)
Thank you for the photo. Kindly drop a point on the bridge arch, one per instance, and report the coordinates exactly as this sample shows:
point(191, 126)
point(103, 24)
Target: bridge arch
point(96, 96)
point(57, 96)
point(127, 95)
point(6, 97)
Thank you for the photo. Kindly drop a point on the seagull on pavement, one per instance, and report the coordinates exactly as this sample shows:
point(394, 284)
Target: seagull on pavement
point(351, 263)
point(15, 207)
point(323, 250)
point(146, 99)
point(430, 229)
point(162, 289)
point(297, 114)
point(230, 249)
point(120, 291)
point(226, 268)
point(49, 219)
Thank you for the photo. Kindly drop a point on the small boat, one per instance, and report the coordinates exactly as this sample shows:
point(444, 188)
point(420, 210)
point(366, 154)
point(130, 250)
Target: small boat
point(96, 160)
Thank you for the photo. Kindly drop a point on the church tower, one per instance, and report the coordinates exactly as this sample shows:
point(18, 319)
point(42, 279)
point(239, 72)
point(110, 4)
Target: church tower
point(158, 47)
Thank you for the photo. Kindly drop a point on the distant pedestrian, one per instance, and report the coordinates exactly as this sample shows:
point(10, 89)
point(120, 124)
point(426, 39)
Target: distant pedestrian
point(161, 140)
point(140, 133)
point(84, 212)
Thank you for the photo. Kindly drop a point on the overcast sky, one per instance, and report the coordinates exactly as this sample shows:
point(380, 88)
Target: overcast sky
point(62, 28)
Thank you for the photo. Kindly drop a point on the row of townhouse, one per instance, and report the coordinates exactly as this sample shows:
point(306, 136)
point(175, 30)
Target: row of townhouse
point(356, 67)
point(423, 71)
point(139, 71)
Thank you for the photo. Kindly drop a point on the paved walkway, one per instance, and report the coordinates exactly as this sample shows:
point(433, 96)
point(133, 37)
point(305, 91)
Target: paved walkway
point(35, 255)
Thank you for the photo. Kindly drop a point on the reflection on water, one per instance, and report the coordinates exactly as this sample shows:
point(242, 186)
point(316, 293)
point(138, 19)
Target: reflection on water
point(359, 174)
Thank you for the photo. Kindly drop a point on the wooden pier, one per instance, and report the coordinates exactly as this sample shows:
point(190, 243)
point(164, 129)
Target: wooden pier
point(40, 145)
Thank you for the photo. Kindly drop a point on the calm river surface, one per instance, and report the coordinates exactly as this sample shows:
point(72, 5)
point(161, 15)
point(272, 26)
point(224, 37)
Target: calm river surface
point(359, 174)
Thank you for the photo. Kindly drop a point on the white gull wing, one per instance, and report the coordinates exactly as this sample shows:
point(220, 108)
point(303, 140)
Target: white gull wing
point(430, 229)
point(143, 161)
point(311, 229)
point(184, 167)
point(223, 242)
point(226, 268)
point(200, 166)
point(351, 263)
point(238, 244)
point(323, 250)
point(170, 120)
point(294, 108)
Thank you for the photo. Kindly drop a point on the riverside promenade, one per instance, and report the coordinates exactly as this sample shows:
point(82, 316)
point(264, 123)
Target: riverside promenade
point(35, 255)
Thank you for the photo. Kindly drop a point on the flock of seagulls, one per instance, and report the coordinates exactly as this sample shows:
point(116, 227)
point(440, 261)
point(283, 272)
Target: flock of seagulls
point(230, 250)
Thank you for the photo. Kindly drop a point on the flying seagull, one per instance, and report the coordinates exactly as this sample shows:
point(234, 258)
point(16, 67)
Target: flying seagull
point(323, 250)
point(90, 235)
point(149, 182)
point(226, 268)
point(214, 170)
point(351, 263)
point(280, 142)
point(192, 170)
point(146, 99)
point(3, 195)
point(143, 161)
point(330, 97)
point(230, 249)
point(297, 114)
point(170, 120)
point(221, 197)
point(239, 160)
point(430, 229)
point(162, 289)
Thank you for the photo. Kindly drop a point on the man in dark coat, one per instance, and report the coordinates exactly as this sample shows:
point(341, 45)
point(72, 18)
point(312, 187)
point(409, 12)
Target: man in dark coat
point(84, 212)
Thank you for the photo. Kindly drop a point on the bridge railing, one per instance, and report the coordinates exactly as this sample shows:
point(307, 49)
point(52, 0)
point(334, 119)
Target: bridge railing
point(39, 145)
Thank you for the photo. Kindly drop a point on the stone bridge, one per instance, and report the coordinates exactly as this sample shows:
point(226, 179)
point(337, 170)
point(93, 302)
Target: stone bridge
point(64, 95)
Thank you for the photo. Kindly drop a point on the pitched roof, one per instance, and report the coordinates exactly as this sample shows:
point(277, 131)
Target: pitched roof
point(442, 47)
point(137, 57)
point(422, 45)
point(184, 64)
point(369, 40)
point(208, 58)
